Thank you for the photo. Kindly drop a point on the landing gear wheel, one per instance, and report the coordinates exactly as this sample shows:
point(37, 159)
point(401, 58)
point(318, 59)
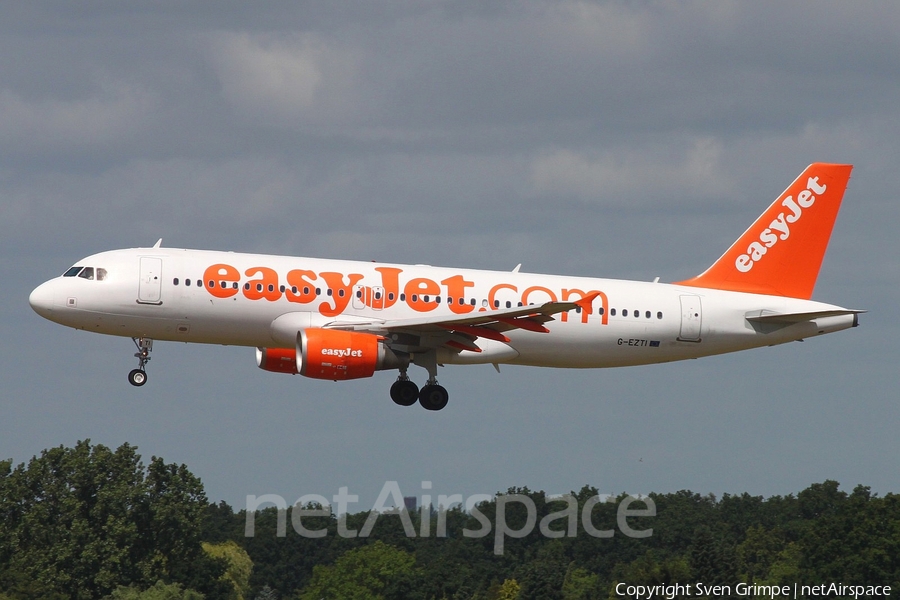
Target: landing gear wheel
point(404, 392)
point(433, 397)
point(137, 377)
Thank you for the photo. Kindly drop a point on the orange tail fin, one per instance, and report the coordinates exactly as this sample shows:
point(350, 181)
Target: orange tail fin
point(780, 254)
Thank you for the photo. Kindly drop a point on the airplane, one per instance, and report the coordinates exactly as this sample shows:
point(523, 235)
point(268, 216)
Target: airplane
point(339, 319)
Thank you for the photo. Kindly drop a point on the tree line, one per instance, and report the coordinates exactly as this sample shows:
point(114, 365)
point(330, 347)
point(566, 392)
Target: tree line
point(91, 522)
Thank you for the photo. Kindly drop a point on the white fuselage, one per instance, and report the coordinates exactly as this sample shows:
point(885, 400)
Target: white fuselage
point(234, 299)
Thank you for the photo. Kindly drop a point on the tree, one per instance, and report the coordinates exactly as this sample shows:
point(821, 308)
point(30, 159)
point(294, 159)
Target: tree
point(237, 573)
point(160, 591)
point(508, 590)
point(80, 522)
point(361, 574)
point(579, 584)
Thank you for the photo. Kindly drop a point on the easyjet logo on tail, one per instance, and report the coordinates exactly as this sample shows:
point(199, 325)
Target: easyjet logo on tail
point(781, 252)
point(780, 227)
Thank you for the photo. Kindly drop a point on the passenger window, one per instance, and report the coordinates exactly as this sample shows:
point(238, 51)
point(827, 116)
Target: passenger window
point(72, 272)
point(87, 273)
point(612, 312)
point(175, 281)
point(624, 312)
point(601, 311)
point(647, 314)
point(187, 282)
point(101, 274)
point(659, 315)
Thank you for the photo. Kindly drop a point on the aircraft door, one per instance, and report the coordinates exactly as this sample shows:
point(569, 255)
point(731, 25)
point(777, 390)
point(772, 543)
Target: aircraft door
point(377, 297)
point(364, 296)
point(691, 318)
point(150, 283)
point(359, 297)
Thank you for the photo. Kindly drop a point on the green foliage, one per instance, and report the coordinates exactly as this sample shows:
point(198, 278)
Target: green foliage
point(88, 522)
point(266, 593)
point(160, 591)
point(579, 584)
point(365, 573)
point(812, 536)
point(508, 590)
point(237, 573)
point(80, 522)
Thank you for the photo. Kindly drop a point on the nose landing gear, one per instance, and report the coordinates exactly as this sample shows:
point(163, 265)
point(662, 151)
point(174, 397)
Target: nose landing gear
point(138, 377)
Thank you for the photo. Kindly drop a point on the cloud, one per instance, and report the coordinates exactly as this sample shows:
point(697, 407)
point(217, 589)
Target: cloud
point(633, 176)
point(115, 111)
point(294, 77)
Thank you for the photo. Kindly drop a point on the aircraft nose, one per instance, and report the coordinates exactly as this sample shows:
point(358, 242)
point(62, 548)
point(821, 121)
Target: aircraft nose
point(41, 299)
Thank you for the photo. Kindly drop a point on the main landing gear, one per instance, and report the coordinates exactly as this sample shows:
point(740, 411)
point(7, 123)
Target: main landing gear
point(138, 377)
point(432, 396)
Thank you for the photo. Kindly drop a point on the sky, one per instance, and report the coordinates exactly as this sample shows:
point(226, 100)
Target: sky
point(612, 139)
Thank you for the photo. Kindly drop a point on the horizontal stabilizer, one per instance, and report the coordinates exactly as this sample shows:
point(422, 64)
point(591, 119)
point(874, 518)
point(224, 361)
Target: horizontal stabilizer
point(767, 316)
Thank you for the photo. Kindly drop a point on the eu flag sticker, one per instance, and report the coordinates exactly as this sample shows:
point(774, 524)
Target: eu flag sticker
point(654, 343)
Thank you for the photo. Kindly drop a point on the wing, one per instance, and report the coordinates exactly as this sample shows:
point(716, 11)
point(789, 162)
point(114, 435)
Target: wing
point(460, 332)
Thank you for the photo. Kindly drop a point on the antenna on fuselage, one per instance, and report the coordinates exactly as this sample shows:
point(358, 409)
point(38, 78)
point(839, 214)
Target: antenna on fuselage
point(158, 243)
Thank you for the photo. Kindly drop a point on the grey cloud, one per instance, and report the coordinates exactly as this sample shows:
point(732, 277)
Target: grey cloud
point(623, 139)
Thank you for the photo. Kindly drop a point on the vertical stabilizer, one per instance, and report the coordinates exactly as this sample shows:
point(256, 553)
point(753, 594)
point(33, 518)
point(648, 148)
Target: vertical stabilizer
point(780, 254)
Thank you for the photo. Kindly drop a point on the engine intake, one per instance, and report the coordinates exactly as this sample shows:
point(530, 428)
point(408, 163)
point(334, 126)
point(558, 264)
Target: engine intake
point(331, 354)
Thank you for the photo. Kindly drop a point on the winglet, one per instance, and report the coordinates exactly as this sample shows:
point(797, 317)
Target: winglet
point(781, 253)
point(587, 303)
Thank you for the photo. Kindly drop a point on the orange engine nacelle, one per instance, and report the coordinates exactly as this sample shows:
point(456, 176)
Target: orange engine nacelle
point(331, 354)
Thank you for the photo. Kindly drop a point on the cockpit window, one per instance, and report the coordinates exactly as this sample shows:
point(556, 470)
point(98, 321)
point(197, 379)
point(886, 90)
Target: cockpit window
point(72, 272)
point(87, 273)
point(101, 274)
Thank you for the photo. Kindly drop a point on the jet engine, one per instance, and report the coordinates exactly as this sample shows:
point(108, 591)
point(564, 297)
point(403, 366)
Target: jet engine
point(331, 354)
